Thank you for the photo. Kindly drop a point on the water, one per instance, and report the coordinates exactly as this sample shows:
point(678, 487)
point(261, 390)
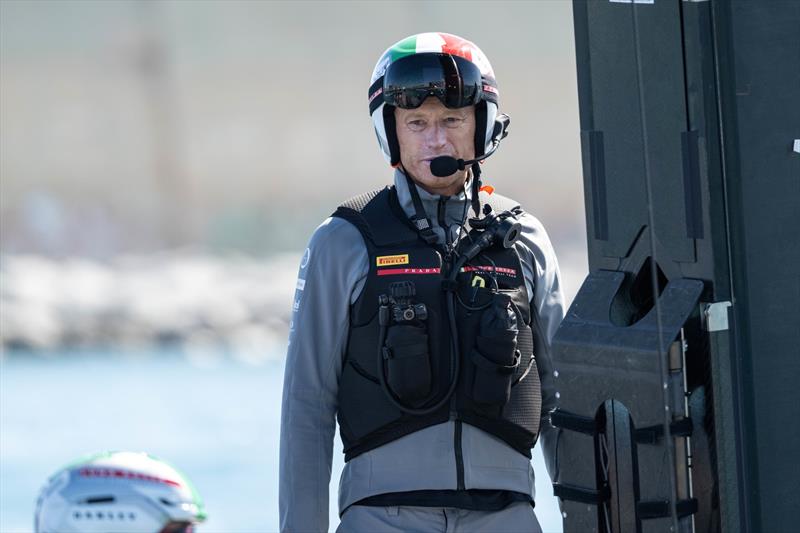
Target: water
point(215, 418)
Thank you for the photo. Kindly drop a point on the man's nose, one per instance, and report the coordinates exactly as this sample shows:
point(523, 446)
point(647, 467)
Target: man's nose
point(437, 135)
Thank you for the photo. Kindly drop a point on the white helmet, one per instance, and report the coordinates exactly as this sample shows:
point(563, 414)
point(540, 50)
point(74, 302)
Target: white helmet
point(118, 492)
point(432, 64)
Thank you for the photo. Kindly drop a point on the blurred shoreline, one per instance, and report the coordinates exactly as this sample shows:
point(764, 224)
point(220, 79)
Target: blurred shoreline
point(194, 302)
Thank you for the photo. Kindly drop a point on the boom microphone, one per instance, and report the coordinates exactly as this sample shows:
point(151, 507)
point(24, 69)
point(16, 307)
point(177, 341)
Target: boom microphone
point(445, 165)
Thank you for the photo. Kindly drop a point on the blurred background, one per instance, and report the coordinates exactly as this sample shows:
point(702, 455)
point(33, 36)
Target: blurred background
point(162, 165)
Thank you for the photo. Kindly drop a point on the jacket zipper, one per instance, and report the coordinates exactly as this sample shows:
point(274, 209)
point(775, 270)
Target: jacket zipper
point(441, 212)
point(457, 446)
point(459, 455)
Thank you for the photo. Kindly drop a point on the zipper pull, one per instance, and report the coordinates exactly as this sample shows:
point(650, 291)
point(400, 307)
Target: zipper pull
point(453, 408)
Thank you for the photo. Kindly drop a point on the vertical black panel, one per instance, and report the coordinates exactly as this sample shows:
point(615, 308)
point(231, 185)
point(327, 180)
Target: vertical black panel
point(763, 179)
point(700, 70)
point(611, 44)
point(622, 473)
point(691, 185)
point(633, 93)
point(595, 166)
point(663, 101)
point(688, 114)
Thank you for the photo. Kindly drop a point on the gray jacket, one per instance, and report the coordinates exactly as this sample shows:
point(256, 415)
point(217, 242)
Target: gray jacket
point(332, 275)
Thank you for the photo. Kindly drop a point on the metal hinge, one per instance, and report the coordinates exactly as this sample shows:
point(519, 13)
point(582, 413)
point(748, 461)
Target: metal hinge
point(715, 316)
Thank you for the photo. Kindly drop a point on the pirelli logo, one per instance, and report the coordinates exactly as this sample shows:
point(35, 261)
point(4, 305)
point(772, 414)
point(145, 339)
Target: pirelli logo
point(389, 260)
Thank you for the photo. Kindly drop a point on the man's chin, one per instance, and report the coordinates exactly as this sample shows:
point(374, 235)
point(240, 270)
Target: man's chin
point(435, 181)
point(436, 185)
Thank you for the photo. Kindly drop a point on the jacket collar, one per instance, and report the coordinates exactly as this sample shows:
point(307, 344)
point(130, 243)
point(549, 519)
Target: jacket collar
point(455, 207)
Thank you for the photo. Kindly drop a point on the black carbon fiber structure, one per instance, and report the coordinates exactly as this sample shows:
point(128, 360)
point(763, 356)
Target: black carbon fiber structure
point(687, 325)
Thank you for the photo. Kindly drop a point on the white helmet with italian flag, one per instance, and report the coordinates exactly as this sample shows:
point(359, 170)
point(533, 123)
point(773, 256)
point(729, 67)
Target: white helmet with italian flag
point(118, 492)
point(432, 64)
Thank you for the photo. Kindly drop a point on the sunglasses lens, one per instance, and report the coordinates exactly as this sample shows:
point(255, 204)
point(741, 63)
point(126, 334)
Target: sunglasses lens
point(409, 98)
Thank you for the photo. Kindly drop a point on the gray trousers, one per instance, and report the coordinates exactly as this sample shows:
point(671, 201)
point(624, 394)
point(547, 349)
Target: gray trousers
point(516, 518)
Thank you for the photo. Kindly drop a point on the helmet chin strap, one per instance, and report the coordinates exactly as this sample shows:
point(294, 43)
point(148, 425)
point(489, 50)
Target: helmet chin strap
point(476, 187)
point(420, 218)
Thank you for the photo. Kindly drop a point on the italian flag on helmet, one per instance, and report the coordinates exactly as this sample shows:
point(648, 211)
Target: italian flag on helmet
point(433, 43)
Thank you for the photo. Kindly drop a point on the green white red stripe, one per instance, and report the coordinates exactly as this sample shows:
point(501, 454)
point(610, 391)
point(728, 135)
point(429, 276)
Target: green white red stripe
point(435, 42)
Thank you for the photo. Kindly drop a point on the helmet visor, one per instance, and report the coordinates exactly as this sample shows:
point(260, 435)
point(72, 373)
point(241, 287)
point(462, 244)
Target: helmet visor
point(455, 81)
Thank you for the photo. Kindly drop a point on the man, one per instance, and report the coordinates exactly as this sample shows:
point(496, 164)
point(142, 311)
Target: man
point(425, 330)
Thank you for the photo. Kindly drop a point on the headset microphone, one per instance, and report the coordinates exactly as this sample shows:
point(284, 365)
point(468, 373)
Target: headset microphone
point(445, 165)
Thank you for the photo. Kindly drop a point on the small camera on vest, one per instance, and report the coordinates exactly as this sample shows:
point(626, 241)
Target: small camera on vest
point(401, 305)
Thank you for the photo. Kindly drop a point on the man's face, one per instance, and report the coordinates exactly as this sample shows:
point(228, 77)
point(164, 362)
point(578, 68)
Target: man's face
point(432, 130)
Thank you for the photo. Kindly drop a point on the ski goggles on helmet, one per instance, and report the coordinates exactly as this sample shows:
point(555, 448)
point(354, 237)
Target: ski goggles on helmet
point(455, 81)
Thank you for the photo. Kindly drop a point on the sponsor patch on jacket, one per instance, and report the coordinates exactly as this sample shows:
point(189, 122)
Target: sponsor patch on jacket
point(408, 270)
point(388, 260)
point(489, 269)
